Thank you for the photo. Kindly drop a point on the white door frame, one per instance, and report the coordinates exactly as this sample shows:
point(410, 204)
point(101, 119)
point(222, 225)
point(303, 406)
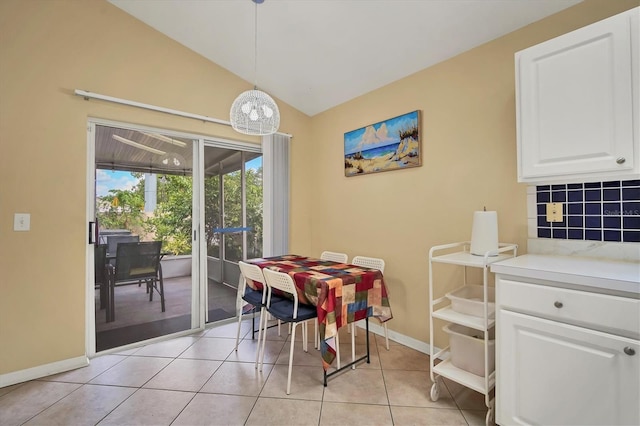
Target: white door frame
point(199, 252)
point(197, 318)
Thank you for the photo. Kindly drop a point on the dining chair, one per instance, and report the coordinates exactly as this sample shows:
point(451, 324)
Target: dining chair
point(136, 262)
point(334, 256)
point(340, 258)
point(256, 298)
point(287, 310)
point(372, 263)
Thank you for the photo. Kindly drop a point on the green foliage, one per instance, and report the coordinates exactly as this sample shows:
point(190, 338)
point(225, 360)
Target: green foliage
point(212, 214)
point(233, 213)
point(122, 209)
point(172, 219)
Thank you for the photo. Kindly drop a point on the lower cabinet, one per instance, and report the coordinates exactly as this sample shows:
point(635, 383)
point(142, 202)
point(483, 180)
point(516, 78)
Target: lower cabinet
point(567, 341)
point(555, 373)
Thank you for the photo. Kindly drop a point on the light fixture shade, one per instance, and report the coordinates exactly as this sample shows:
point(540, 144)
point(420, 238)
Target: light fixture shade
point(255, 113)
point(173, 160)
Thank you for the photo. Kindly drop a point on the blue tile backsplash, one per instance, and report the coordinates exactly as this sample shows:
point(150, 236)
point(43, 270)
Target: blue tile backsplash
point(599, 211)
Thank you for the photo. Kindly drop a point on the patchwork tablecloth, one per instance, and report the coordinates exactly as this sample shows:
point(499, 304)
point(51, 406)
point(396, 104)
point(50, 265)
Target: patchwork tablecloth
point(342, 293)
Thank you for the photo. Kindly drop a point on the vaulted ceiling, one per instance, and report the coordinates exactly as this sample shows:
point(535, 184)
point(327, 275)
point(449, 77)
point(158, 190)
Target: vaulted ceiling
point(316, 54)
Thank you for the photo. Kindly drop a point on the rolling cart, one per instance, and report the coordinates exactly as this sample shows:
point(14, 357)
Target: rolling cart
point(470, 307)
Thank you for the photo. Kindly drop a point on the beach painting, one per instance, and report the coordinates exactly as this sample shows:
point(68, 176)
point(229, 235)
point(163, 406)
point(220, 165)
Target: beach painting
point(387, 145)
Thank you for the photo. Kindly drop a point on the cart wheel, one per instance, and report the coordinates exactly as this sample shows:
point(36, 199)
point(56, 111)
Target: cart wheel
point(489, 419)
point(435, 392)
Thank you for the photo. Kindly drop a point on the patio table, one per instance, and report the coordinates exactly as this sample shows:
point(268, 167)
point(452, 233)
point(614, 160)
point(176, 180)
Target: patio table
point(342, 293)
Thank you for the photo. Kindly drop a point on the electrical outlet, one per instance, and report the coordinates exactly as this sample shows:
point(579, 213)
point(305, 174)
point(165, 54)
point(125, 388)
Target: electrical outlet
point(21, 222)
point(554, 212)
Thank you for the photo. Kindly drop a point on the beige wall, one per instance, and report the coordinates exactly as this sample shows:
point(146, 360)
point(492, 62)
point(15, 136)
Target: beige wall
point(469, 161)
point(49, 48)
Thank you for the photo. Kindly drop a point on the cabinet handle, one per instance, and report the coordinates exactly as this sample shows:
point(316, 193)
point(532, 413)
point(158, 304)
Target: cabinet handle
point(558, 305)
point(620, 160)
point(629, 351)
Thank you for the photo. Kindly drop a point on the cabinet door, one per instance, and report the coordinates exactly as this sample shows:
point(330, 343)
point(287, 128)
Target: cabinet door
point(575, 102)
point(554, 373)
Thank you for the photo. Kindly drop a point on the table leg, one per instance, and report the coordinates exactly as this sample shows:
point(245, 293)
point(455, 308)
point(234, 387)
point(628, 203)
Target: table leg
point(362, 358)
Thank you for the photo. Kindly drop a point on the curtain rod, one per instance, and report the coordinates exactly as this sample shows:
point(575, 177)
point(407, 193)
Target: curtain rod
point(91, 95)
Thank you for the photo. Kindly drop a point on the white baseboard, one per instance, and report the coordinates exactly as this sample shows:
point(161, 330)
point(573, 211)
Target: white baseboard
point(20, 376)
point(418, 345)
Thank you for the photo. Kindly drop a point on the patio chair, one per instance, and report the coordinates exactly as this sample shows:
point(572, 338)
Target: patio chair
point(137, 262)
point(114, 240)
point(286, 310)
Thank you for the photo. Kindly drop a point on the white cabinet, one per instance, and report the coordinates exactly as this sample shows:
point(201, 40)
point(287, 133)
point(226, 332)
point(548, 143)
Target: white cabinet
point(557, 373)
point(565, 352)
point(577, 104)
point(477, 312)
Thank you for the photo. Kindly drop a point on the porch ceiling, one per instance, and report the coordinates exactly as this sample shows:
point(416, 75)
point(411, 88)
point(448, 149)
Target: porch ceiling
point(148, 152)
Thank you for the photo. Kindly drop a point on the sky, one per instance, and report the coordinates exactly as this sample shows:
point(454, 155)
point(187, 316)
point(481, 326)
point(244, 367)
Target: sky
point(114, 179)
point(378, 134)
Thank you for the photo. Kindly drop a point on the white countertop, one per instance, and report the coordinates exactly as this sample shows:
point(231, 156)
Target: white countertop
point(608, 276)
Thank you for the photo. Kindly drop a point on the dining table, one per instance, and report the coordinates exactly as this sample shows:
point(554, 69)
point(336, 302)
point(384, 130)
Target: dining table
point(342, 293)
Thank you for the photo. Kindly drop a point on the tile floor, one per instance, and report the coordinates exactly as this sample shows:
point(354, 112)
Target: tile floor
point(201, 380)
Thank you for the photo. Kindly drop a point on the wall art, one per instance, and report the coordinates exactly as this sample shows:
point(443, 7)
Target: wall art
point(392, 144)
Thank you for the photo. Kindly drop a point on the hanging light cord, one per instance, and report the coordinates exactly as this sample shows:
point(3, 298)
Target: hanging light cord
point(255, 51)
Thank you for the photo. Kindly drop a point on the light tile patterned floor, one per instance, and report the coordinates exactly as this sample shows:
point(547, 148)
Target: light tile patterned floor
point(201, 380)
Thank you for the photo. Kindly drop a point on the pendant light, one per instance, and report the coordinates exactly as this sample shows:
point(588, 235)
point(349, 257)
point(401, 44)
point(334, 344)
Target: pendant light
point(254, 112)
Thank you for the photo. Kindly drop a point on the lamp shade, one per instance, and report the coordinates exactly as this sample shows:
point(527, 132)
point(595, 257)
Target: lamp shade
point(255, 113)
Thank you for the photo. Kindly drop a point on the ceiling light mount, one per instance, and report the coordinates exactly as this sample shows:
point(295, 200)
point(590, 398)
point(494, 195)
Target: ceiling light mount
point(254, 112)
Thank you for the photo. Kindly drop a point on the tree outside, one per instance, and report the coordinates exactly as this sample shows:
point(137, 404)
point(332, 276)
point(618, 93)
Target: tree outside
point(171, 220)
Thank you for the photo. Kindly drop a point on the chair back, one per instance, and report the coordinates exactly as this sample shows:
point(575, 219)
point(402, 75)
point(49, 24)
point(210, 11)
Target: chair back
point(100, 263)
point(251, 272)
point(114, 240)
point(254, 273)
point(334, 256)
point(137, 260)
point(283, 282)
point(369, 262)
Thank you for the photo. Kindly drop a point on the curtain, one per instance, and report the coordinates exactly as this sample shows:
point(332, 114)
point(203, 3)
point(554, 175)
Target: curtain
point(275, 170)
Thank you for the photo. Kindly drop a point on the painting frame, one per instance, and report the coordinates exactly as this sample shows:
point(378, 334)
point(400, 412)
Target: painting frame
point(391, 144)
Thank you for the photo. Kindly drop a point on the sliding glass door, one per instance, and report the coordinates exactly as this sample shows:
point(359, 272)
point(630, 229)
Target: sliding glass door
point(143, 192)
point(233, 221)
point(156, 185)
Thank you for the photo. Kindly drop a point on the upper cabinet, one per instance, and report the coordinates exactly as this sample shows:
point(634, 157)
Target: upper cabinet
point(578, 116)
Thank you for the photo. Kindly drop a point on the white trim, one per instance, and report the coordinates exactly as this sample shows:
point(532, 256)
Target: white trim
point(87, 95)
point(141, 343)
point(199, 310)
point(410, 342)
point(198, 247)
point(44, 370)
point(90, 313)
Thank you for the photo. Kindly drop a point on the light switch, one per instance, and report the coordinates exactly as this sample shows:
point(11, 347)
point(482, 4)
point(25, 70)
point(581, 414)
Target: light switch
point(22, 222)
point(554, 212)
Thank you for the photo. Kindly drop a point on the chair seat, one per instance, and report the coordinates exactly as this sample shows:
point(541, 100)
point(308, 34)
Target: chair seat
point(146, 271)
point(283, 310)
point(253, 297)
